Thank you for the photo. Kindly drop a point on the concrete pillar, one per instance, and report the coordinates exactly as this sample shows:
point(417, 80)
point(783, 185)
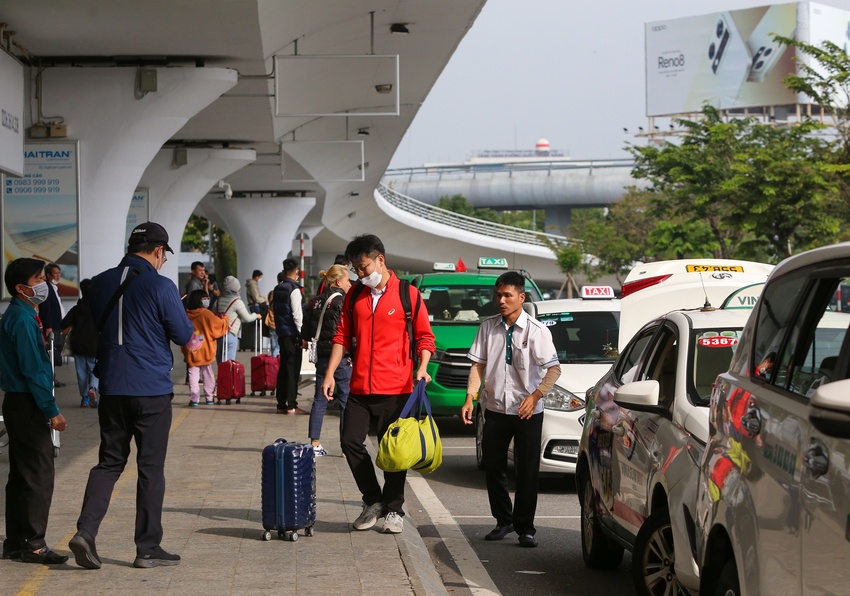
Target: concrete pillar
point(176, 191)
point(119, 135)
point(558, 219)
point(263, 230)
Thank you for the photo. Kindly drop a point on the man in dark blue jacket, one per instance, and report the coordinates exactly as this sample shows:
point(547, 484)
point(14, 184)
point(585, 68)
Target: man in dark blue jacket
point(134, 367)
point(287, 321)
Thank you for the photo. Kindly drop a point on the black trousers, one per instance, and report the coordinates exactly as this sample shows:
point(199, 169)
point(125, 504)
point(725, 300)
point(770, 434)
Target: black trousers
point(123, 418)
point(499, 429)
point(29, 490)
point(359, 413)
point(288, 373)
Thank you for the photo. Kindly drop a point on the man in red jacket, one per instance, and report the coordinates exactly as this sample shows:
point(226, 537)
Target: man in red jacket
point(382, 374)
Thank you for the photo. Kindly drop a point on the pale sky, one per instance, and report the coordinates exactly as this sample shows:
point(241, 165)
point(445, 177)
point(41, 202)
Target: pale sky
point(571, 71)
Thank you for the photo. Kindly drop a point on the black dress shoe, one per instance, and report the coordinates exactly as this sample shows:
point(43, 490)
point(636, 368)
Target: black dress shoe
point(499, 532)
point(14, 555)
point(528, 541)
point(85, 554)
point(45, 556)
point(58, 384)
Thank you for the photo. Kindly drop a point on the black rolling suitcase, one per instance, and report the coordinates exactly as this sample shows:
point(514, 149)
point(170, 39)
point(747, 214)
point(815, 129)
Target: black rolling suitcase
point(288, 489)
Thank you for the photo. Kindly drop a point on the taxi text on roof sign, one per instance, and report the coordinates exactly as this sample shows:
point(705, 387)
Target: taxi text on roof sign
point(597, 292)
point(492, 263)
point(713, 268)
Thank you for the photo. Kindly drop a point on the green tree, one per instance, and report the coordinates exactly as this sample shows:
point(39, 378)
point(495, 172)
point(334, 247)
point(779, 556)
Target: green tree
point(224, 254)
point(756, 187)
point(825, 78)
point(459, 204)
point(196, 235)
point(690, 180)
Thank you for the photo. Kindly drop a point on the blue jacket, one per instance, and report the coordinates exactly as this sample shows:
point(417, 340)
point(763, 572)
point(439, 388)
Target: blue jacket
point(138, 360)
point(24, 365)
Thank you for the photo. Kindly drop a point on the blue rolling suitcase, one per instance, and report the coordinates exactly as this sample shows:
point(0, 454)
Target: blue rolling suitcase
point(288, 489)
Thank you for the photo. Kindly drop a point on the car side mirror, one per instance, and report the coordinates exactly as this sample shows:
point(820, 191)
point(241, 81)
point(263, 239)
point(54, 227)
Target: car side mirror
point(640, 396)
point(530, 308)
point(829, 409)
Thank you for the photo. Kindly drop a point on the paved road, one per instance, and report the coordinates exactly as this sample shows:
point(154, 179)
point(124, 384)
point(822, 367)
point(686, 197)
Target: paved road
point(555, 567)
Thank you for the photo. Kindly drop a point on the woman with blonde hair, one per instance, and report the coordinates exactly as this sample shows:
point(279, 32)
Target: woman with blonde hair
point(326, 306)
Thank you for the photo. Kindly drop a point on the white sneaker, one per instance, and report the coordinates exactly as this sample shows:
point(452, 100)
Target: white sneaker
point(369, 516)
point(393, 523)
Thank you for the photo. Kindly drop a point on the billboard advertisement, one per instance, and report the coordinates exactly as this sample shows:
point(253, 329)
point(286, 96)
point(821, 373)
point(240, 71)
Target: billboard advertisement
point(730, 59)
point(11, 115)
point(40, 211)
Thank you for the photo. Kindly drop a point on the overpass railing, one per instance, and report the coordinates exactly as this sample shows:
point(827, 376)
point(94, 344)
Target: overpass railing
point(464, 222)
point(507, 168)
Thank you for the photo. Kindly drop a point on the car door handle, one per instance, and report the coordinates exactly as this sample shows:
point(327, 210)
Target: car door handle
point(596, 413)
point(751, 421)
point(618, 429)
point(816, 459)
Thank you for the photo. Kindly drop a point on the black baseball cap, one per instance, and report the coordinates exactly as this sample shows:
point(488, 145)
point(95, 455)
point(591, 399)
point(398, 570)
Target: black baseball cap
point(149, 232)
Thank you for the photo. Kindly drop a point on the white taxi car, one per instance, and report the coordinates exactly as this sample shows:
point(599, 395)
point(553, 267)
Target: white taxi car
point(773, 508)
point(646, 428)
point(585, 332)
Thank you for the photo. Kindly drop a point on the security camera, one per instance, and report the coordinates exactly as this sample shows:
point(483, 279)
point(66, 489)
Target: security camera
point(228, 191)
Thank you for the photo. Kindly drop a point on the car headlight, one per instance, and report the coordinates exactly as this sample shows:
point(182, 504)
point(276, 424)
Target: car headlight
point(562, 400)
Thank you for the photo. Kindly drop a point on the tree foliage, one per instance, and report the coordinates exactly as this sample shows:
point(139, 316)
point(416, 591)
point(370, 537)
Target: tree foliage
point(757, 189)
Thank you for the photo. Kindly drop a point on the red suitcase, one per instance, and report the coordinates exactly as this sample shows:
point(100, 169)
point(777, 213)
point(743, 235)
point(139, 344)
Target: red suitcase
point(231, 382)
point(264, 367)
point(263, 373)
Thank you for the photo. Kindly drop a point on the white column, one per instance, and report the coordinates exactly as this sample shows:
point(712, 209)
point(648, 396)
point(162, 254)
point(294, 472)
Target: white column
point(119, 135)
point(263, 230)
point(176, 191)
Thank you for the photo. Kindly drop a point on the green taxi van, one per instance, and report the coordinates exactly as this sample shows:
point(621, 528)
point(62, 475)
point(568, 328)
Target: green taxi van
point(457, 303)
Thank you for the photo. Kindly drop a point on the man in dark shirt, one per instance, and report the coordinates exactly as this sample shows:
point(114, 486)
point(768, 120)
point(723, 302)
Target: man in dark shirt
point(134, 367)
point(29, 412)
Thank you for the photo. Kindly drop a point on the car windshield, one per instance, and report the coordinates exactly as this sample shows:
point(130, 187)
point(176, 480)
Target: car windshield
point(465, 304)
point(582, 337)
point(712, 350)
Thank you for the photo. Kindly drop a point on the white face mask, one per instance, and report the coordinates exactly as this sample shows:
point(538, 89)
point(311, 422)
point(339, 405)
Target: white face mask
point(205, 303)
point(55, 282)
point(373, 279)
point(40, 291)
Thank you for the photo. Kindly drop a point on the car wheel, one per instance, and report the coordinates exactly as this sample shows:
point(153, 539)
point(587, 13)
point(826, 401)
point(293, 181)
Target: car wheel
point(653, 570)
point(727, 582)
point(479, 437)
point(596, 550)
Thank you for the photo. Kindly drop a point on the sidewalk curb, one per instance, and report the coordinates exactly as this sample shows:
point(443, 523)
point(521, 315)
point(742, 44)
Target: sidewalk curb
point(424, 579)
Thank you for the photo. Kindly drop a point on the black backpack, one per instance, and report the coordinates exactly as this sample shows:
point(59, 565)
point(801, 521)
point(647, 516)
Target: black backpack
point(404, 294)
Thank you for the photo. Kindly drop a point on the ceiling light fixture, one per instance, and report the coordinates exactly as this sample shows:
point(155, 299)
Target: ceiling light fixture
point(384, 88)
point(399, 28)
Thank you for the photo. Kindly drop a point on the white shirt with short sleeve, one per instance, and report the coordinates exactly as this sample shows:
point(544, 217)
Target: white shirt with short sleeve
point(532, 353)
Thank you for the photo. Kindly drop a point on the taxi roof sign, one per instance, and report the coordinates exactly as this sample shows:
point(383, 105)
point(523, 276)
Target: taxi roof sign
point(597, 292)
point(492, 263)
point(444, 267)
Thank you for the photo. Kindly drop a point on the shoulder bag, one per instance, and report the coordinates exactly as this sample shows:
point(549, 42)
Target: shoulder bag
point(312, 348)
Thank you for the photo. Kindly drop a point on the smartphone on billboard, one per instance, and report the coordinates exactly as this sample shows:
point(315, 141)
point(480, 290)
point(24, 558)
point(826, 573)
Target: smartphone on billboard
point(780, 19)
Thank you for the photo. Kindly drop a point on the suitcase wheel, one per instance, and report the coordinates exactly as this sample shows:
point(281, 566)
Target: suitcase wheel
point(227, 402)
point(253, 394)
point(262, 394)
point(267, 535)
point(238, 400)
point(289, 535)
point(308, 531)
